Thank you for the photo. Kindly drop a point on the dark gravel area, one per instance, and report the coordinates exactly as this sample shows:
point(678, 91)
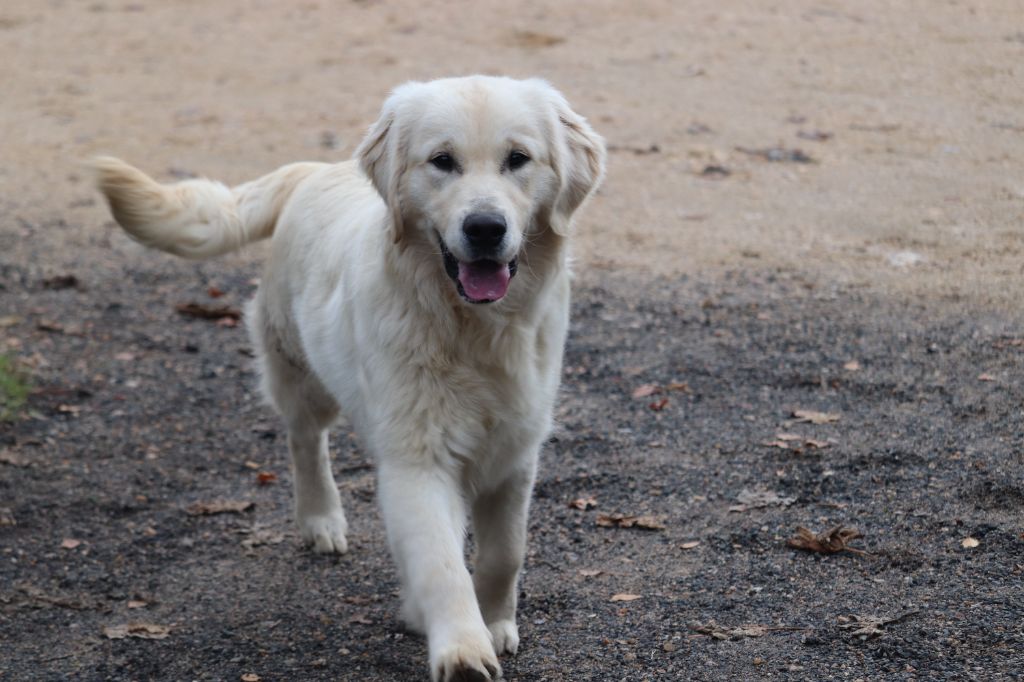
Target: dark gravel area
point(139, 412)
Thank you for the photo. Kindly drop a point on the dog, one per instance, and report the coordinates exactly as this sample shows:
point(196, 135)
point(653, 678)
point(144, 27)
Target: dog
point(423, 287)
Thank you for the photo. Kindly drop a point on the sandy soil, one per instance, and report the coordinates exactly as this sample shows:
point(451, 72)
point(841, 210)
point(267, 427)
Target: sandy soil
point(920, 101)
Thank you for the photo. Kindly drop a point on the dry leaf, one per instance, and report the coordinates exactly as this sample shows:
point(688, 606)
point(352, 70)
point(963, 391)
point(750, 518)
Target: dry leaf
point(73, 410)
point(751, 499)
point(829, 542)
point(870, 626)
point(617, 520)
point(851, 366)
point(214, 292)
point(645, 390)
point(584, 503)
point(659, 405)
point(250, 677)
point(137, 630)
point(70, 543)
point(690, 545)
point(266, 477)
point(207, 312)
point(13, 458)
point(813, 417)
point(590, 572)
point(969, 543)
point(136, 604)
point(622, 596)
point(986, 377)
point(218, 507)
point(261, 536)
point(716, 631)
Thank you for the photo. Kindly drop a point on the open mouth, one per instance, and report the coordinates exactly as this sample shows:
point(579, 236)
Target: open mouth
point(479, 281)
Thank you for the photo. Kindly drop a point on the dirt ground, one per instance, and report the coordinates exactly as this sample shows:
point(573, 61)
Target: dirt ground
point(810, 206)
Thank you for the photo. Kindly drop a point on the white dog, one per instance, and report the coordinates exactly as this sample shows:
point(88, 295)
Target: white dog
point(422, 287)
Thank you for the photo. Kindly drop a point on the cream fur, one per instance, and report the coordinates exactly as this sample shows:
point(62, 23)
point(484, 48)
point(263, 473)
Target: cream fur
point(355, 312)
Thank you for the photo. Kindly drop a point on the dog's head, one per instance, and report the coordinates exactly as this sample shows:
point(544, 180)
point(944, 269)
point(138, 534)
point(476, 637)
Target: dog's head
point(477, 167)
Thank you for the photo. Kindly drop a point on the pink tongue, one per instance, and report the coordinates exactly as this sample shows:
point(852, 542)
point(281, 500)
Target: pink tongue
point(484, 280)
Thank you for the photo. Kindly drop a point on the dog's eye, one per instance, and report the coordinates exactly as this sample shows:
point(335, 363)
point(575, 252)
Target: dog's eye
point(517, 160)
point(443, 162)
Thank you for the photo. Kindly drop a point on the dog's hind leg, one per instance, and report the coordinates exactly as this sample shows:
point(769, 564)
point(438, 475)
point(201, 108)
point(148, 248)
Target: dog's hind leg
point(308, 410)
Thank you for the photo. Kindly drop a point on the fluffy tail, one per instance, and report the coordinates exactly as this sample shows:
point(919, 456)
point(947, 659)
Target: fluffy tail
point(196, 218)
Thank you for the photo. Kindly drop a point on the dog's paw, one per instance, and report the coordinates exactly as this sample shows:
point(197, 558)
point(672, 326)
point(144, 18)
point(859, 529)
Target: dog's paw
point(467, 659)
point(326, 532)
point(505, 635)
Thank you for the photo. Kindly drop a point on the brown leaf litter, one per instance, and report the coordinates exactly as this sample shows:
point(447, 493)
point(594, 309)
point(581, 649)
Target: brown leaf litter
point(646, 522)
point(218, 507)
point(208, 312)
point(869, 627)
point(829, 542)
point(813, 417)
point(137, 630)
point(716, 631)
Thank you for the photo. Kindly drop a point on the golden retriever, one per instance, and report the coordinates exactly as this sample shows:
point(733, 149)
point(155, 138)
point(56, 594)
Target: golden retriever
point(423, 287)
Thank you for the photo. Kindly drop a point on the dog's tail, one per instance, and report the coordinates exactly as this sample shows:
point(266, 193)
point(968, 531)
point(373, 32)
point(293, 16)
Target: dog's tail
point(196, 218)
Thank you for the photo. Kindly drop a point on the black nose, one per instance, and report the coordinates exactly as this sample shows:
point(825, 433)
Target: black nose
point(484, 231)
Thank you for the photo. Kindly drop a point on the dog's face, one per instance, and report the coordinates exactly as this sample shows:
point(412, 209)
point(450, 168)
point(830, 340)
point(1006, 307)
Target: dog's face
point(475, 167)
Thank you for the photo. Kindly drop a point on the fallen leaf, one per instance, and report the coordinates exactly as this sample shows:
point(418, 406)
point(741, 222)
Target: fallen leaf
point(70, 543)
point(250, 677)
point(645, 390)
point(218, 507)
point(867, 627)
point(61, 282)
point(73, 410)
point(813, 417)
point(829, 542)
point(716, 631)
point(969, 543)
point(659, 405)
point(214, 292)
point(7, 517)
point(9, 320)
point(49, 326)
point(265, 477)
point(622, 596)
point(125, 357)
point(617, 520)
point(13, 458)
point(206, 312)
point(590, 572)
point(584, 503)
point(137, 604)
point(690, 545)
point(986, 377)
point(137, 630)
point(260, 536)
point(755, 499)
point(851, 366)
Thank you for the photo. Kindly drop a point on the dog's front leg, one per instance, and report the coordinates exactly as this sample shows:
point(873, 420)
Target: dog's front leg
point(426, 517)
point(499, 525)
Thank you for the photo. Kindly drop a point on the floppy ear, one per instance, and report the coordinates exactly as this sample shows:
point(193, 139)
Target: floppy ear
point(579, 161)
point(381, 158)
